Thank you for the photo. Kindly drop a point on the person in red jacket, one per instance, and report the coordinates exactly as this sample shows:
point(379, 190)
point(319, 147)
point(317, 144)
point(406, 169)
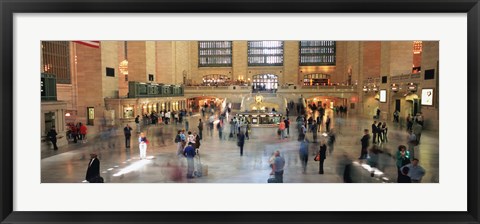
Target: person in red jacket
point(83, 132)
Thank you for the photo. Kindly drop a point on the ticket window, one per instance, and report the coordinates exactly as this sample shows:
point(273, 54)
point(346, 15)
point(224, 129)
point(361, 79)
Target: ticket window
point(127, 112)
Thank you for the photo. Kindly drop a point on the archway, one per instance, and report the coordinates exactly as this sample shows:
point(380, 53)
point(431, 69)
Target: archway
point(265, 83)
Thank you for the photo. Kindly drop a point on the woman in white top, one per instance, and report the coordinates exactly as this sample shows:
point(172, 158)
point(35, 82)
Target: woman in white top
point(143, 145)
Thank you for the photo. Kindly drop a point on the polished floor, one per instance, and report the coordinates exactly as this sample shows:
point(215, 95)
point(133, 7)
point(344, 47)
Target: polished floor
point(225, 165)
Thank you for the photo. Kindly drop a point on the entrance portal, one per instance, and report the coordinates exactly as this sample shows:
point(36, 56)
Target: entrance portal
point(265, 83)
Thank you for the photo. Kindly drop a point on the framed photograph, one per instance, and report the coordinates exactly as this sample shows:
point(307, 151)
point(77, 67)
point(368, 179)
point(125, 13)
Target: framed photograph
point(383, 96)
point(135, 61)
point(427, 97)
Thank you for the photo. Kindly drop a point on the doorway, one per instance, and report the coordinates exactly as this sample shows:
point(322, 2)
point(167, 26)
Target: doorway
point(49, 121)
point(90, 115)
point(397, 105)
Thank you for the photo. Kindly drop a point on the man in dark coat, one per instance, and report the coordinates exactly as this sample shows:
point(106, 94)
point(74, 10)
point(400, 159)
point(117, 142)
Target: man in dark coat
point(374, 132)
point(93, 170)
point(241, 142)
point(128, 134)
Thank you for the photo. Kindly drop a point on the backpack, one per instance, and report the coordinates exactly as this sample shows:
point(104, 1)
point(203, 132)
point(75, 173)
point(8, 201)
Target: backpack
point(177, 139)
point(218, 125)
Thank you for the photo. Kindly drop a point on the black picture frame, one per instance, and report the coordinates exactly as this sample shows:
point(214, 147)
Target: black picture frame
point(10, 7)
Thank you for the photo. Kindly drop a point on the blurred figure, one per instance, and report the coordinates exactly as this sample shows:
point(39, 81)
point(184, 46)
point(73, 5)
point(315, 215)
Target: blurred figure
point(137, 123)
point(412, 142)
point(52, 136)
point(365, 142)
point(327, 123)
point(93, 170)
point(200, 128)
point(143, 145)
point(409, 122)
point(403, 177)
point(323, 155)
point(416, 172)
point(374, 156)
point(241, 141)
point(345, 168)
point(277, 167)
point(314, 130)
point(417, 130)
point(281, 128)
point(331, 141)
point(303, 153)
point(374, 132)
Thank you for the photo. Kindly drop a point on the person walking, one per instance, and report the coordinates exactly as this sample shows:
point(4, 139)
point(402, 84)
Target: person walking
point(187, 125)
point(327, 123)
point(83, 132)
point(365, 142)
point(412, 142)
point(403, 158)
point(189, 153)
point(278, 165)
point(142, 145)
point(374, 132)
point(323, 154)
point(314, 132)
point(281, 127)
point(52, 136)
point(303, 153)
point(287, 126)
point(220, 129)
point(137, 123)
point(93, 170)
point(331, 141)
point(200, 128)
point(417, 130)
point(241, 141)
point(127, 131)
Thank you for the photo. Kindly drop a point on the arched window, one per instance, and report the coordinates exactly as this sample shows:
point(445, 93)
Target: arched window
point(265, 82)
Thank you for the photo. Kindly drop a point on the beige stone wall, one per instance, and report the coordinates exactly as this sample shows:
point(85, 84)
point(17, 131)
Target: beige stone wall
point(165, 62)
point(182, 60)
point(371, 59)
point(89, 81)
point(240, 62)
point(150, 59)
point(290, 63)
point(430, 60)
point(401, 57)
point(137, 61)
point(109, 55)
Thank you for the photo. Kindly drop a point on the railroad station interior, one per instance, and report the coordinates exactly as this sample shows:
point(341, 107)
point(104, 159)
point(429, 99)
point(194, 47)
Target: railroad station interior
point(240, 91)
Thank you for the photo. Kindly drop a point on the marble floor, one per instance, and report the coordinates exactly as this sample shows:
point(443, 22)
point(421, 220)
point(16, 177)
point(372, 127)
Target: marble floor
point(225, 165)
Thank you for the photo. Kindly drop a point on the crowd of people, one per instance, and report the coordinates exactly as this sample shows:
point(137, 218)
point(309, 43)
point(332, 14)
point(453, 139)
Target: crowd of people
point(313, 128)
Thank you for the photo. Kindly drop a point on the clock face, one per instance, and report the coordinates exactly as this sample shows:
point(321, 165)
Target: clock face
point(258, 99)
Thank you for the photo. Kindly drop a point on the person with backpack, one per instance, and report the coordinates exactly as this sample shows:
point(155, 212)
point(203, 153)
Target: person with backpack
point(178, 140)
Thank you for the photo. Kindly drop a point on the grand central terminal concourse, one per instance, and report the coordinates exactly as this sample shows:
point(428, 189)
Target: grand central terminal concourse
point(241, 111)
